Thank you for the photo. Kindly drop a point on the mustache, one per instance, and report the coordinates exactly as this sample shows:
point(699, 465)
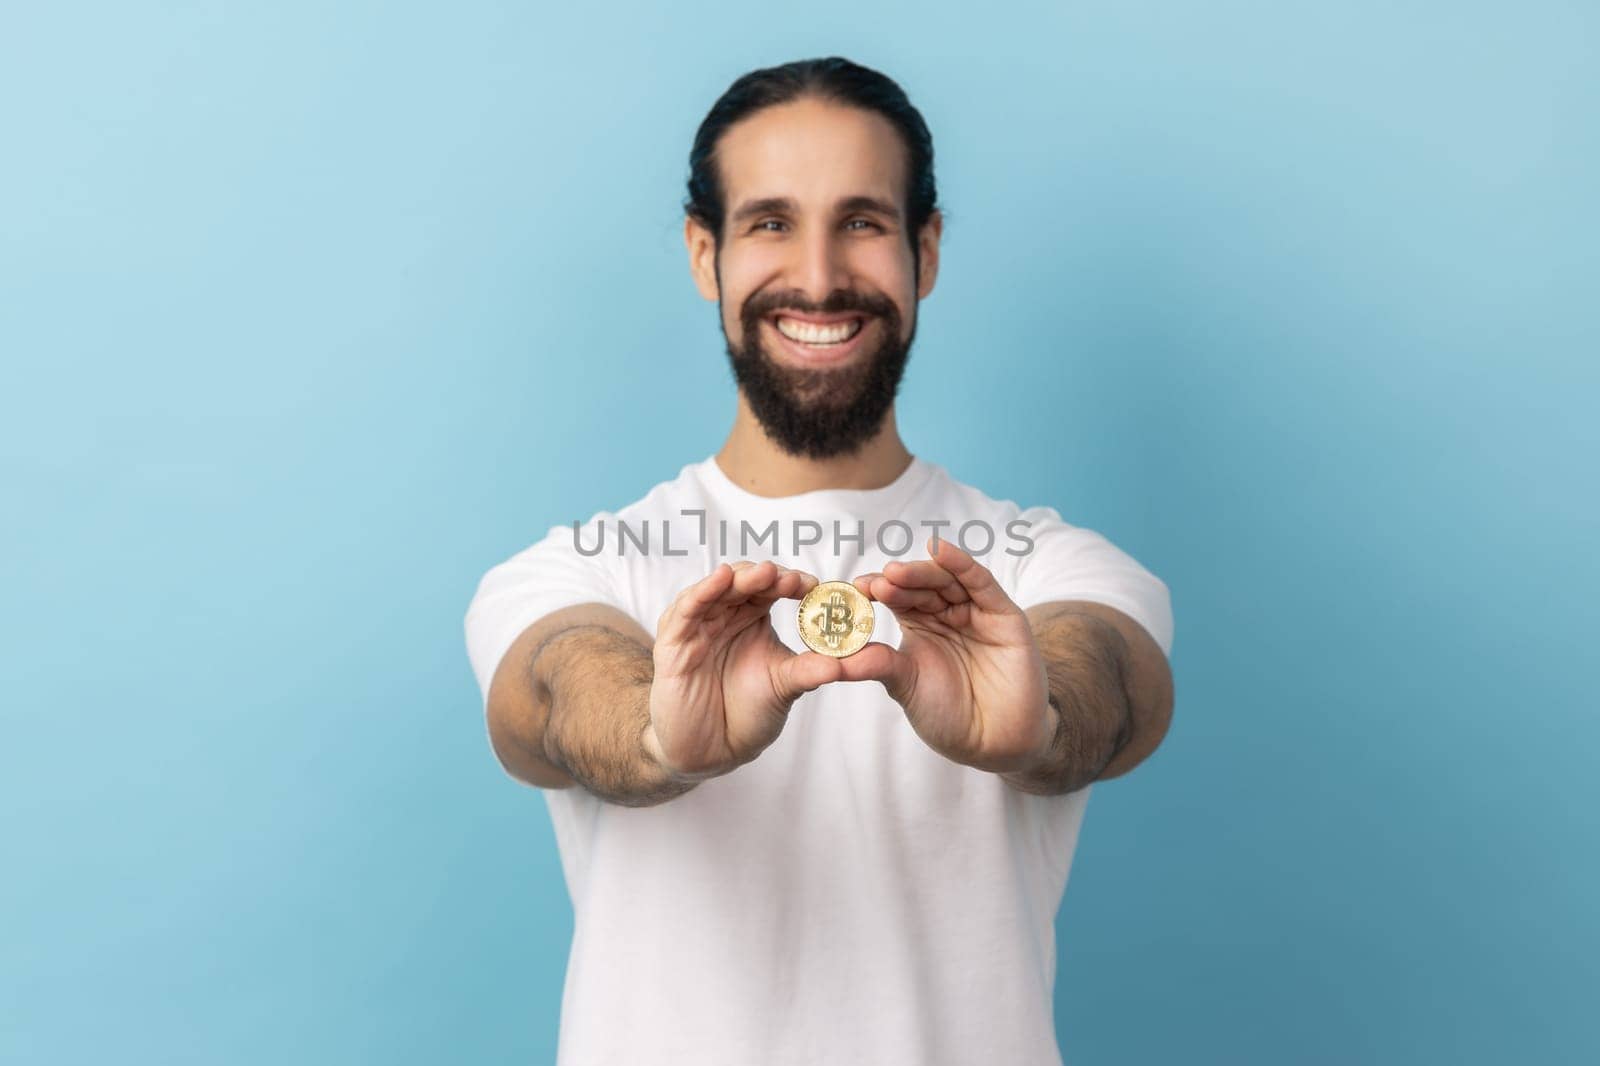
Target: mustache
point(760, 305)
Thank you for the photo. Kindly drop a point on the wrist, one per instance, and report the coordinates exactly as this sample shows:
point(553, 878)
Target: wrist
point(651, 745)
point(1057, 721)
point(1046, 754)
point(656, 757)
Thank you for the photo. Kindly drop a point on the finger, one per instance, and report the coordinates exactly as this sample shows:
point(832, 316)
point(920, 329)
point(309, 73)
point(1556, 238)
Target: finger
point(877, 661)
point(708, 588)
point(863, 582)
point(688, 609)
point(749, 579)
point(980, 583)
point(808, 581)
point(796, 675)
point(787, 584)
point(725, 584)
point(926, 574)
point(879, 588)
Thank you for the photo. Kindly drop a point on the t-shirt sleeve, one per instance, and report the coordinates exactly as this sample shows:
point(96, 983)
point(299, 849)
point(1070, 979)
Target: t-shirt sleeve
point(1069, 562)
point(544, 577)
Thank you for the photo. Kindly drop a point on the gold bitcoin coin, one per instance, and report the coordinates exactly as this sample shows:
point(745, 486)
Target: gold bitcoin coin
point(835, 619)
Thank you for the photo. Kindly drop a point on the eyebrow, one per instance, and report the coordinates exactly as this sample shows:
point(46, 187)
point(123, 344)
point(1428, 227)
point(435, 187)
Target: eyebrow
point(780, 205)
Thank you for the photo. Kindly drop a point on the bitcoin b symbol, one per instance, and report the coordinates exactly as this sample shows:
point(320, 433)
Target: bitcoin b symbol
point(834, 621)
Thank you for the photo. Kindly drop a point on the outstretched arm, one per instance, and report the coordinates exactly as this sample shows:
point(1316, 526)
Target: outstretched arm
point(1051, 699)
point(585, 696)
point(569, 705)
point(1111, 695)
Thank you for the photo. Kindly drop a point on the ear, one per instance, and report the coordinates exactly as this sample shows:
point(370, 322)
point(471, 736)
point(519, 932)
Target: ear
point(702, 248)
point(928, 246)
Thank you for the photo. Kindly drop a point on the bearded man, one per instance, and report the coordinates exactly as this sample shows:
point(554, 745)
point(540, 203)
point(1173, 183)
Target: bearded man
point(785, 843)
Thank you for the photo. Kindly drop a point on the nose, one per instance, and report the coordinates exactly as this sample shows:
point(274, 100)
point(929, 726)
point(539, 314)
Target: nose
point(822, 267)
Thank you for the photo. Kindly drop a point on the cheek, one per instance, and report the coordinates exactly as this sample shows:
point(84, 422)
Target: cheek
point(886, 266)
point(751, 265)
point(743, 275)
point(731, 326)
point(740, 275)
point(732, 310)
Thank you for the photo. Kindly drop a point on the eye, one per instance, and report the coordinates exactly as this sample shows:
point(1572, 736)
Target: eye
point(761, 226)
point(864, 221)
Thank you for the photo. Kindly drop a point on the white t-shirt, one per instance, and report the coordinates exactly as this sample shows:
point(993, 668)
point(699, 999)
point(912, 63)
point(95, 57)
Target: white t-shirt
point(849, 896)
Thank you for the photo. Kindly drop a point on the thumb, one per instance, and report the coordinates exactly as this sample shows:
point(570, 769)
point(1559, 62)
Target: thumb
point(877, 661)
point(795, 675)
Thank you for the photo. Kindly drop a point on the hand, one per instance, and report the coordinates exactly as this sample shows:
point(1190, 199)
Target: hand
point(968, 672)
point(724, 682)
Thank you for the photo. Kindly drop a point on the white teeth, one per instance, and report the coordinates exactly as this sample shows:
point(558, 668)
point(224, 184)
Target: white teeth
point(809, 333)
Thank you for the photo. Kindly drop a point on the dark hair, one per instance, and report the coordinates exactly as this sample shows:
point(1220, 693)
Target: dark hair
point(832, 79)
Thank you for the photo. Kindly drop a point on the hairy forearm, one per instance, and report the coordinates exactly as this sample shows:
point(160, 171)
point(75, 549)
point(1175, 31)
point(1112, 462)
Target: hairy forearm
point(596, 683)
point(1086, 663)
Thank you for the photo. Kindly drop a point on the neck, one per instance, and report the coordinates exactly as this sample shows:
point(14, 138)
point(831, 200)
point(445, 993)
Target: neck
point(752, 461)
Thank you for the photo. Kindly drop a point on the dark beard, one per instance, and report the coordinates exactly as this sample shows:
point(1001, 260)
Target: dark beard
point(824, 412)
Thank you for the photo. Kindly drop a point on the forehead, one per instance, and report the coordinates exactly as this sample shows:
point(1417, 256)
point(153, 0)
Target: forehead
point(813, 152)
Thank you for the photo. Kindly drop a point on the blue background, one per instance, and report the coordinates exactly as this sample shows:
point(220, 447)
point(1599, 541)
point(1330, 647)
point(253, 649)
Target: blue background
point(311, 313)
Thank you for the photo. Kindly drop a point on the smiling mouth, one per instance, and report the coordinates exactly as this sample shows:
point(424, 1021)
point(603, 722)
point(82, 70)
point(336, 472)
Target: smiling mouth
point(818, 334)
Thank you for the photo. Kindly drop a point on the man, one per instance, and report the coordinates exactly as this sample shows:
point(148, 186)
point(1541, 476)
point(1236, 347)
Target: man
point(777, 855)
